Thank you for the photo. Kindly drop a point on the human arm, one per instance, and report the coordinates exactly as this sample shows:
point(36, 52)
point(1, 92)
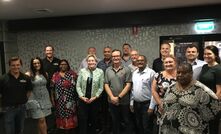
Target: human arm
point(218, 91)
point(79, 88)
point(114, 99)
point(101, 84)
point(154, 92)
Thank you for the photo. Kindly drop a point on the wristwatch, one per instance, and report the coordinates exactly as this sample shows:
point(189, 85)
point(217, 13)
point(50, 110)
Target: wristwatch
point(119, 97)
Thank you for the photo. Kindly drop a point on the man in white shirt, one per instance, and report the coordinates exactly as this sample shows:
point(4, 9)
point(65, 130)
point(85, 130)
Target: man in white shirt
point(192, 53)
point(141, 96)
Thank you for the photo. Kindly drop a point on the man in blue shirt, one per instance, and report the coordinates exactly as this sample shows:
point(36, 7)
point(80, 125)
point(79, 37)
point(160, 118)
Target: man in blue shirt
point(141, 96)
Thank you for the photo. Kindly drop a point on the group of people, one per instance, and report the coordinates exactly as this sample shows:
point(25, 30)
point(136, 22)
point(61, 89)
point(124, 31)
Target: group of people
point(170, 98)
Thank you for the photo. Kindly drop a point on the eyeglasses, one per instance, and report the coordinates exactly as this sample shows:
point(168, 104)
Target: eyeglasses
point(116, 56)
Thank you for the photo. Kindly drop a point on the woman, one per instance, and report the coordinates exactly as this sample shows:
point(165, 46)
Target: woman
point(161, 81)
point(164, 79)
point(89, 87)
point(64, 97)
point(211, 76)
point(188, 105)
point(39, 104)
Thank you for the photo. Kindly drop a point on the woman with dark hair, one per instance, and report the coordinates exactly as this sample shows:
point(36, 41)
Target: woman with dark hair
point(64, 96)
point(188, 105)
point(39, 104)
point(211, 76)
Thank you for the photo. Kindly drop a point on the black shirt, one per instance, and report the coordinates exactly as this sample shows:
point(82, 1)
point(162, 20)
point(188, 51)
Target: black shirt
point(158, 65)
point(14, 91)
point(51, 67)
point(211, 76)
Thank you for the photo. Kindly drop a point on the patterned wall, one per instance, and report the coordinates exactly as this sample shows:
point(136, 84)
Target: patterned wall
point(72, 45)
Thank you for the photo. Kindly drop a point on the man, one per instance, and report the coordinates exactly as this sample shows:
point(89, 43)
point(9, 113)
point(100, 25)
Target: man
point(90, 51)
point(134, 55)
point(15, 88)
point(117, 85)
point(126, 60)
point(104, 116)
point(50, 63)
point(164, 51)
point(141, 96)
point(192, 53)
point(106, 62)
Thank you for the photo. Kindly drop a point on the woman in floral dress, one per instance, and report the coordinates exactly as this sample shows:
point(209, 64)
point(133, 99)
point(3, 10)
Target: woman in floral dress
point(64, 97)
point(188, 105)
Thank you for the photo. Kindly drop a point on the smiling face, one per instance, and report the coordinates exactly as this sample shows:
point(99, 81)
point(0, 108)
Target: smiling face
point(49, 52)
point(209, 56)
point(36, 64)
point(134, 55)
point(107, 53)
point(191, 53)
point(141, 62)
point(165, 50)
point(116, 57)
point(91, 61)
point(15, 66)
point(169, 63)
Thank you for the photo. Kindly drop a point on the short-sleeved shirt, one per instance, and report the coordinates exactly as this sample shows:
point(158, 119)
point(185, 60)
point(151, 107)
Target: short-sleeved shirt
point(14, 90)
point(51, 67)
point(211, 76)
point(117, 81)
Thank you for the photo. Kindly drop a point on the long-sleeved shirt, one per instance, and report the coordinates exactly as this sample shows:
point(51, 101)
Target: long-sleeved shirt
point(97, 82)
point(142, 86)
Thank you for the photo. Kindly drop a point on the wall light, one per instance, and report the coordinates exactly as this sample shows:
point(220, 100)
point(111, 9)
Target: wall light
point(204, 26)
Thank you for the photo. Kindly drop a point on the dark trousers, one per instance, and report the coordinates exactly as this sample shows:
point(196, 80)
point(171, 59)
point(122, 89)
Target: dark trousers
point(117, 112)
point(144, 120)
point(87, 114)
point(214, 124)
point(14, 118)
point(103, 113)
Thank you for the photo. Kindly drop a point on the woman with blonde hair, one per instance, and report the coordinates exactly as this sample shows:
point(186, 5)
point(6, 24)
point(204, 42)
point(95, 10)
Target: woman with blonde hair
point(89, 87)
point(162, 80)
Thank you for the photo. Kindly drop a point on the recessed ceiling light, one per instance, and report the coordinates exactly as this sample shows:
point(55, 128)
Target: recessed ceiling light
point(6, 0)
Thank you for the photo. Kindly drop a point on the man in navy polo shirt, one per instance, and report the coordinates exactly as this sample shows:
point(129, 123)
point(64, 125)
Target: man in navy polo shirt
point(15, 88)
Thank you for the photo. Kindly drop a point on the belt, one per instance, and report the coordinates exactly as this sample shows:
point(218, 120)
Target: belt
point(142, 102)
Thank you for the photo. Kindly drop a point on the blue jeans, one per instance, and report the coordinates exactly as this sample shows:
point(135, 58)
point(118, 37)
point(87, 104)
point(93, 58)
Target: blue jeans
point(14, 118)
